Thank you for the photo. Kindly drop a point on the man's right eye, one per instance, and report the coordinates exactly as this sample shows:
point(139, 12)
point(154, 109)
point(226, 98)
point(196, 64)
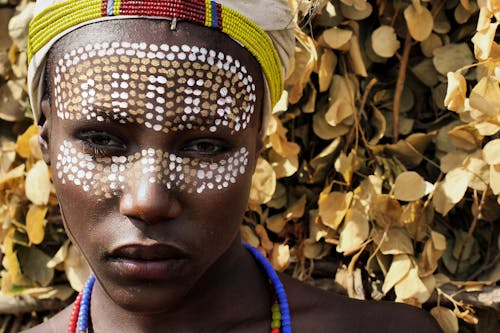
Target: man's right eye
point(101, 143)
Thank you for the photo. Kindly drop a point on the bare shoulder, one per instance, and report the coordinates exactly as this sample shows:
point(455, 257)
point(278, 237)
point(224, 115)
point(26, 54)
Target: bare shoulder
point(56, 324)
point(315, 310)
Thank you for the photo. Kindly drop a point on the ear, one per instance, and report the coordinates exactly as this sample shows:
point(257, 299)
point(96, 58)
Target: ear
point(44, 130)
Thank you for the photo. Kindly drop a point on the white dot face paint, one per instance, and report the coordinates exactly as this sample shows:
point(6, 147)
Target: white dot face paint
point(108, 176)
point(161, 87)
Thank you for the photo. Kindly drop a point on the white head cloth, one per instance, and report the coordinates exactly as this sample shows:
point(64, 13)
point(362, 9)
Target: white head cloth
point(273, 16)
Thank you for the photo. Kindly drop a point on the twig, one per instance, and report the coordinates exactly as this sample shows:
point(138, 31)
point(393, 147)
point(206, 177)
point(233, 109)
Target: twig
point(485, 267)
point(356, 128)
point(486, 298)
point(471, 230)
point(400, 84)
point(19, 305)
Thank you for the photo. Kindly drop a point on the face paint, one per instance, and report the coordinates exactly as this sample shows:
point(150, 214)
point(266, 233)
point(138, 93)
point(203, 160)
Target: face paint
point(162, 87)
point(108, 176)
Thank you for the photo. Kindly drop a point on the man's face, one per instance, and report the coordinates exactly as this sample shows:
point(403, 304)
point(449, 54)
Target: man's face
point(153, 141)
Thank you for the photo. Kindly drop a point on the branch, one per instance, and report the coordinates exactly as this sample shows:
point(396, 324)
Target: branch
point(400, 84)
point(24, 304)
point(486, 298)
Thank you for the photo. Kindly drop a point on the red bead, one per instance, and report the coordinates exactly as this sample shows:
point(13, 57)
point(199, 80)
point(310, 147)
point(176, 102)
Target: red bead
point(275, 330)
point(73, 319)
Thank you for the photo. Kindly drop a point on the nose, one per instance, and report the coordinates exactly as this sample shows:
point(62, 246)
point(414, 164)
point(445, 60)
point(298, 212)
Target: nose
point(149, 202)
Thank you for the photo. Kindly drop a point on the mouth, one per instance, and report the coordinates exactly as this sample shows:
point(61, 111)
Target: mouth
point(148, 262)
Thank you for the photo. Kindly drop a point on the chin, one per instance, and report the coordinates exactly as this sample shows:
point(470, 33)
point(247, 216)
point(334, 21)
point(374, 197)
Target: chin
point(148, 300)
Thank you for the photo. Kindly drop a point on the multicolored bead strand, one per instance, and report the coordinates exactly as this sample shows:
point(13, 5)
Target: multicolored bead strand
point(82, 307)
point(286, 324)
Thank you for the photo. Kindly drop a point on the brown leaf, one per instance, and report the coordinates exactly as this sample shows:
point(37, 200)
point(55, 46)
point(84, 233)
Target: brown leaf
point(419, 21)
point(263, 183)
point(335, 38)
point(328, 62)
point(38, 184)
point(451, 57)
point(445, 318)
point(410, 186)
point(333, 207)
point(35, 223)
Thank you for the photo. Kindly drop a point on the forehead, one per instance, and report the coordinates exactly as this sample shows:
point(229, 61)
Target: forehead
point(164, 87)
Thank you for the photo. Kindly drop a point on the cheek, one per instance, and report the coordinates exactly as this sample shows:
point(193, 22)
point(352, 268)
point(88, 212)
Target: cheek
point(106, 177)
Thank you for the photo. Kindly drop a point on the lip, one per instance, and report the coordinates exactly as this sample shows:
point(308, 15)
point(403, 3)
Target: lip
point(148, 261)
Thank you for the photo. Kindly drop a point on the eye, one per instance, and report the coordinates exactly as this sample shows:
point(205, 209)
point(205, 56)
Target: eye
point(206, 147)
point(101, 143)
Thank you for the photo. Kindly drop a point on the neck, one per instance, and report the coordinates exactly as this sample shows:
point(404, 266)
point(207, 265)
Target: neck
point(213, 304)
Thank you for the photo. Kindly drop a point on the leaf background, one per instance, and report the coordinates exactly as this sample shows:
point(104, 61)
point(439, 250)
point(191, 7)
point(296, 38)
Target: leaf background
point(380, 177)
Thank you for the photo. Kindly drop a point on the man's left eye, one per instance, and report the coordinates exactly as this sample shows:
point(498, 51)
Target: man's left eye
point(206, 147)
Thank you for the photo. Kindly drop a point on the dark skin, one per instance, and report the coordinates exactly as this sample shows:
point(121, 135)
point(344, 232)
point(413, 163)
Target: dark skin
point(217, 286)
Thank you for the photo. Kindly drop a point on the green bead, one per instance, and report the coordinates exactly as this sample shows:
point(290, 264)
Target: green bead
point(276, 324)
point(275, 307)
point(276, 315)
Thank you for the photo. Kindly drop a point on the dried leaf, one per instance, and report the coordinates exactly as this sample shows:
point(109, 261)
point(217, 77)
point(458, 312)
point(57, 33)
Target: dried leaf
point(11, 94)
point(76, 268)
point(280, 257)
point(456, 92)
point(335, 38)
point(419, 21)
point(485, 96)
point(394, 241)
point(33, 263)
point(386, 211)
point(384, 41)
point(353, 13)
point(263, 183)
point(249, 236)
point(409, 186)
point(410, 151)
point(450, 191)
point(400, 267)
point(60, 255)
point(305, 61)
point(23, 146)
point(451, 57)
point(446, 319)
point(283, 166)
point(328, 62)
point(355, 230)
point(412, 288)
point(428, 45)
point(323, 130)
point(465, 137)
point(491, 152)
point(35, 223)
point(38, 184)
point(333, 207)
point(484, 40)
point(347, 165)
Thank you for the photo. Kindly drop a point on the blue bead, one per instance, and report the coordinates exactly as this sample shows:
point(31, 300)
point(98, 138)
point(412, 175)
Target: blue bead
point(278, 287)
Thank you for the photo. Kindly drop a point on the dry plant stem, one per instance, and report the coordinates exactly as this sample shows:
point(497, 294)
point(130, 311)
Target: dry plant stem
point(485, 267)
point(20, 305)
point(16, 326)
point(471, 229)
point(464, 299)
point(400, 84)
point(356, 130)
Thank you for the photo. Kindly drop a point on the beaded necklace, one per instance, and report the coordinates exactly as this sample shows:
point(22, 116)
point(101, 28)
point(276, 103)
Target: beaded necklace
point(280, 323)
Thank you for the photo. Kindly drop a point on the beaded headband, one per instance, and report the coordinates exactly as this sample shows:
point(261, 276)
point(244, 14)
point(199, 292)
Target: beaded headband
point(58, 18)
